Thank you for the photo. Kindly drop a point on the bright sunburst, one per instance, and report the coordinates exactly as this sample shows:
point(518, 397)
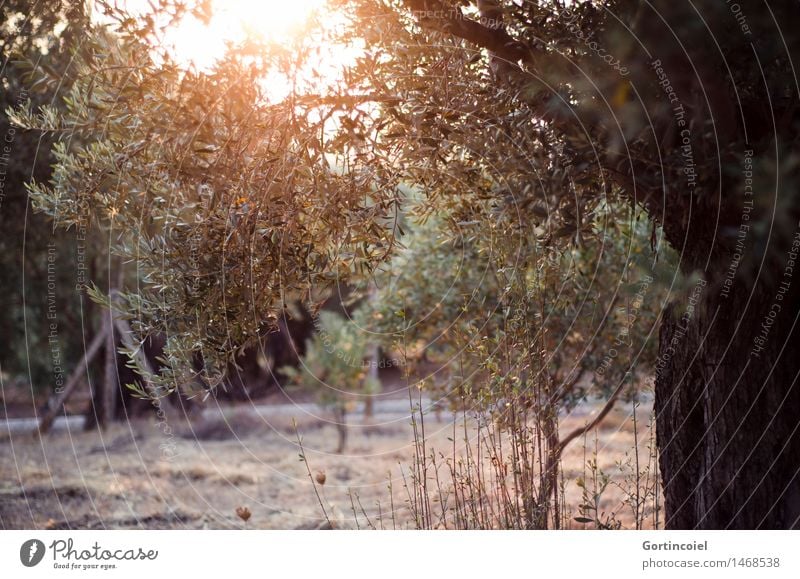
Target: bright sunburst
point(201, 43)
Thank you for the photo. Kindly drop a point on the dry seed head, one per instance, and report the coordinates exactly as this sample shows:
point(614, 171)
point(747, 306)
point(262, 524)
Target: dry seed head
point(243, 513)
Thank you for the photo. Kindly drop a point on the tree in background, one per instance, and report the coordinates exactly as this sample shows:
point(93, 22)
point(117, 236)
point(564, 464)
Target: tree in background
point(516, 339)
point(448, 297)
point(333, 367)
point(44, 324)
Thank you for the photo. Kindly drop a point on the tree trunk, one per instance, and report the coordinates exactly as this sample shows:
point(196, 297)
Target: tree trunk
point(340, 415)
point(110, 386)
point(55, 404)
point(374, 357)
point(371, 381)
point(727, 408)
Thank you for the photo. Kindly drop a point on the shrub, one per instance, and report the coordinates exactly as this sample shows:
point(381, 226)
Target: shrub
point(333, 367)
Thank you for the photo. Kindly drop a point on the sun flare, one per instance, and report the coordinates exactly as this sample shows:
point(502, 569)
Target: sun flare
point(199, 42)
point(233, 21)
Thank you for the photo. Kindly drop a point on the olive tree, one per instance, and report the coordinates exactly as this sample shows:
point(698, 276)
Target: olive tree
point(532, 115)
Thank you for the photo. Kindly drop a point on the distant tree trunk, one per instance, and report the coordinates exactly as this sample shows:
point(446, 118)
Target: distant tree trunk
point(56, 403)
point(374, 358)
point(110, 387)
point(94, 417)
point(727, 413)
point(372, 378)
point(340, 415)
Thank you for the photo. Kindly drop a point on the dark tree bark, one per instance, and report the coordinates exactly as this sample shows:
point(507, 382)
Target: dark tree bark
point(728, 414)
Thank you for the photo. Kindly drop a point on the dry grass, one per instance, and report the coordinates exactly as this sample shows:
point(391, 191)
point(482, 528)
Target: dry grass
point(68, 480)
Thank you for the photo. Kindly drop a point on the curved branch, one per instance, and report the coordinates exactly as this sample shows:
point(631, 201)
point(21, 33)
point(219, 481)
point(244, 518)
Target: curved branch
point(436, 14)
point(578, 432)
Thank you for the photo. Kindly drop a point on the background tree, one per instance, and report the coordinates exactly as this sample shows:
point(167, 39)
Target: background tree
point(333, 367)
point(39, 261)
point(513, 336)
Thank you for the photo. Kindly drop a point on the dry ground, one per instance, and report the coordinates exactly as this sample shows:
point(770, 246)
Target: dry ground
point(139, 475)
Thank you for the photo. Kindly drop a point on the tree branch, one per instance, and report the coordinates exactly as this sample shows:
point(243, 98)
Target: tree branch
point(435, 14)
point(578, 432)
